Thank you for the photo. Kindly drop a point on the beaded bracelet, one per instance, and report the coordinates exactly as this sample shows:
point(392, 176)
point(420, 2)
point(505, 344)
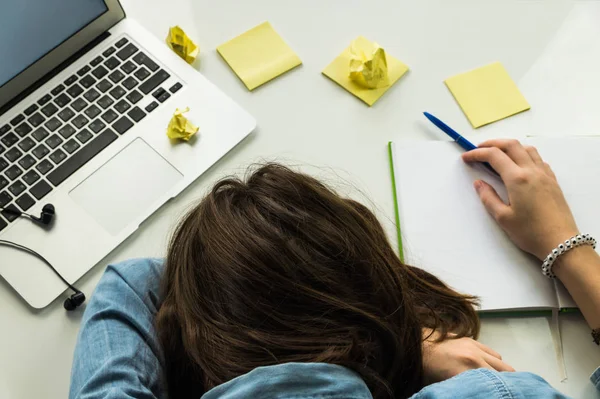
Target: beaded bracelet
point(575, 241)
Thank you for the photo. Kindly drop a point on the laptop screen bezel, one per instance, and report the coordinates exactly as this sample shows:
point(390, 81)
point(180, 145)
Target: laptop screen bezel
point(63, 51)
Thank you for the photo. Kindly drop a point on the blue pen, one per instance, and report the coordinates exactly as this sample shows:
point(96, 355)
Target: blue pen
point(460, 140)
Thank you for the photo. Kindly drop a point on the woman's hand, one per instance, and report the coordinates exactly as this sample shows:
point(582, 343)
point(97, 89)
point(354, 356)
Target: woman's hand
point(445, 359)
point(537, 217)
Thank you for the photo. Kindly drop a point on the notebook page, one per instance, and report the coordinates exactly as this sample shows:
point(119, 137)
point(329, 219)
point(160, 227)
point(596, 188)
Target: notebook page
point(446, 230)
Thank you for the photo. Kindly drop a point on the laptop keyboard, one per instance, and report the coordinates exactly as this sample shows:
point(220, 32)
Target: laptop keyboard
point(64, 129)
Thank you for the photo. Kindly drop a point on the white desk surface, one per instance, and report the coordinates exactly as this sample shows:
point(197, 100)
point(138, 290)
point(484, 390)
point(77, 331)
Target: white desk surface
point(305, 119)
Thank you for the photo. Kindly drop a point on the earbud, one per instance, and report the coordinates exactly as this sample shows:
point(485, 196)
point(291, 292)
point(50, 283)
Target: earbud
point(45, 217)
point(74, 301)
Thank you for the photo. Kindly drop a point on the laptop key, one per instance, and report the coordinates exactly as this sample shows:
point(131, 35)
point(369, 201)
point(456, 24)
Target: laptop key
point(66, 114)
point(109, 116)
point(40, 190)
point(127, 51)
point(92, 111)
point(164, 97)
point(136, 114)
point(122, 106)
point(62, 100)
point(25, 202)
point(57, 90)
point(30, 177)
point(2, 149)
point(49, 110)
point(36, 119)
point(13, 154)
point(122, 125)
point(105, 102)
point(17, 188)
point(116, 76)
point(87, 82)
point(104, 85)
point(134, 96)
point(31, 109)
point(23, 129)
point(81, 157)
point(44, 167)
point(175, 88)
point(97, 125)
point(58, 156)
point(5, 198)
point(11, 216)
point(70, 80)
point(53, 141)
point(121, 42)
point(17, 119)
point(91, 95)
point(117, 92)
point(153, 82)
point(130, 83)
point(71, 146)
point(79, 104)
point(108, 51)
point(158, 92)
point(13, 172)
point(100, 72)
point(40, 134)
point(3, 164)
point(142, 73)
point(3, 224)
point(96, 61)
point(40, 151)
point(4, 129)
point(44, 99)
point(84, 136)
point(53, 124)
point(27, 162)
point(142, 59)
point(112, 63)
point(152, 106)
point(26, 144)
point(128, 67)
point(9, 140)
point(66, 131)
point(84, 70)
point(80, 121)
point(3, 182)
point(75, 90)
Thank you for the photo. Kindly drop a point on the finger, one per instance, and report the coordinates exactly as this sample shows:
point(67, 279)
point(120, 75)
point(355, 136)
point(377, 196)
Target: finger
point(535, 155)
point(491, 201)
point(500, 161)
point(549, 170)
point(488, 350)
point(497, 364)
point(512, 148)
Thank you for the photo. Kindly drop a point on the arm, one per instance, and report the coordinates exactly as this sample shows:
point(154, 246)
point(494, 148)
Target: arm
point(117, 354)
point(538, 218)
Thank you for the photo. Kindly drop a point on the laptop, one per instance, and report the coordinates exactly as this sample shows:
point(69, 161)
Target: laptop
point(85, 98)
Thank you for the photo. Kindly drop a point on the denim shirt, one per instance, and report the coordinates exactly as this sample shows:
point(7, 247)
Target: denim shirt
point(118, 356)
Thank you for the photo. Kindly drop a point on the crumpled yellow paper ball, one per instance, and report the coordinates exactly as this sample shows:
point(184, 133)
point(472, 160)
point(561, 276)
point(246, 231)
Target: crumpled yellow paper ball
point(368, 65)
point(180, 127)
point(182, 45)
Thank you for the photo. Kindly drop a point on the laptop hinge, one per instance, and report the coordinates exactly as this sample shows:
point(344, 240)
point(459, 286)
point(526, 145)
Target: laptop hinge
point(65, 64)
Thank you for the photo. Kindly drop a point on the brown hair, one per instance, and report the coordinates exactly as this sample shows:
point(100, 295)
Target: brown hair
point(279, 268)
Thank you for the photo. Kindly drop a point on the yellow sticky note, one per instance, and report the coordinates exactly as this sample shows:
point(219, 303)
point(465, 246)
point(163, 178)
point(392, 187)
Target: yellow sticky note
point(258, 55)
point(180, 127)
point(339, 72)
point(487, 94)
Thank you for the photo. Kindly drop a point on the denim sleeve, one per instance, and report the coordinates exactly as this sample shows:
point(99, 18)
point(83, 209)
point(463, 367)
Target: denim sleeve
point(595, 378)
point(117, 353)
point(487, 384)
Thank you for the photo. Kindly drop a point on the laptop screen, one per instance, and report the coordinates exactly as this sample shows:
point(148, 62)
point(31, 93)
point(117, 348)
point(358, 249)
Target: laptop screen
point(29, 29)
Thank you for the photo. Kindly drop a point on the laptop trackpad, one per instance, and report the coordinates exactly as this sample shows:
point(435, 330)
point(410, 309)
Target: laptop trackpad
point(123, 189)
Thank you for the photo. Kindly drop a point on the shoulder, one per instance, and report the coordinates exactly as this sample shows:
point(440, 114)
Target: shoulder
point(484, 383)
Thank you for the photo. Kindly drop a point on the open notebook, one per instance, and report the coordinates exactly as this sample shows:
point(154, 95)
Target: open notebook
point(444, 229)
